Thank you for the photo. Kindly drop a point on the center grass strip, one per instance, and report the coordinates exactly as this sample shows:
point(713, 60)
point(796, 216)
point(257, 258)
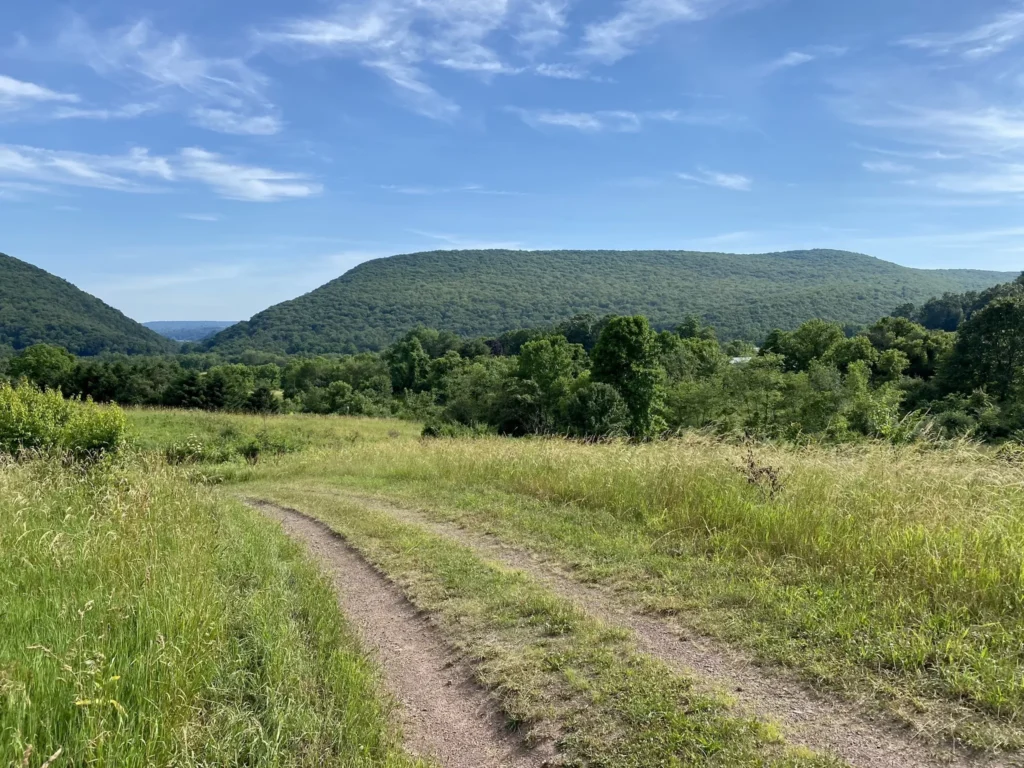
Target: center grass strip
point(551, 663)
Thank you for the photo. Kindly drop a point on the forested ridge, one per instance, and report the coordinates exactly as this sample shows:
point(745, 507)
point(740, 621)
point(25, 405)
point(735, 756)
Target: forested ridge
point(37, 307)
point(485, 293)
point(591, 377)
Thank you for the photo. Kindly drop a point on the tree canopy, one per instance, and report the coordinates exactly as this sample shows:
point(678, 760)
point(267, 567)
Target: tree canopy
point(37, 307)
point(486, 293)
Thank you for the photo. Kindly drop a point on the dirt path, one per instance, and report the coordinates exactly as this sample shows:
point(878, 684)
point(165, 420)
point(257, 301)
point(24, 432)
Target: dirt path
point(824, 724)
point(445, 715)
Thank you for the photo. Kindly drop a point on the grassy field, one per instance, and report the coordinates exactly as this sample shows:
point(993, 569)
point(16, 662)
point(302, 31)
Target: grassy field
point(156, 429)
point(870, 570)
point(146, 621)
point(554, 665)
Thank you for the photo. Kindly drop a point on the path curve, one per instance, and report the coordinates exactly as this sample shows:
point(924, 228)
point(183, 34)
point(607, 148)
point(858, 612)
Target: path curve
point(445, 715)
point(815, 720)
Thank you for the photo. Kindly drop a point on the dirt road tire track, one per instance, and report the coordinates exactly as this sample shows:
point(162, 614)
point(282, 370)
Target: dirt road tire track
point(820, 722)
point(445, 714)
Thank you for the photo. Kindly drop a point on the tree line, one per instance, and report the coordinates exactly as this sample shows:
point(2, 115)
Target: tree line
point(591, 376)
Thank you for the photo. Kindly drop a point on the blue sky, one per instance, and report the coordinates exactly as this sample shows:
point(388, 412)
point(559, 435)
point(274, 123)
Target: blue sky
point(203, 160)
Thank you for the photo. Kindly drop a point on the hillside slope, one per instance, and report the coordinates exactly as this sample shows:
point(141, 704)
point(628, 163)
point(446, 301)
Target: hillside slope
point(488, 292)
point(36, 306)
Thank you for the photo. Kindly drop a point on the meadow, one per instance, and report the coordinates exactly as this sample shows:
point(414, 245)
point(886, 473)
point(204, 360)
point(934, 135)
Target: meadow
point(152, 618)
point(148, 622)
point(892, 573)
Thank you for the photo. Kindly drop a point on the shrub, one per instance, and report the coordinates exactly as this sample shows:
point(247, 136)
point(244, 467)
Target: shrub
point(440, 427)
point(192, 450)
point(33, 420)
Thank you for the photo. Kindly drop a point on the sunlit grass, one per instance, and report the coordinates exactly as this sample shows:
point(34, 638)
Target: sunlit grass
point(146, 622)
point(898, 572)
point(156, 428)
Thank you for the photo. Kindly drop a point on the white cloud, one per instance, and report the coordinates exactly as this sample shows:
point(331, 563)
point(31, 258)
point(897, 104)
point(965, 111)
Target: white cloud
point(226, 121)
point(974, 129)
point(398, 37)
point(126, 112)
point(541, 26)
point(222, 92)
point(638, 20)
point(476, 189)
point(733, 181)
point(614, 121)
point(788, 61)
point(420, 96)
point(988, 39)
point(887, 166)
point(242, 182)
point(167, 62)
point(561, 71)
point(17, 93)
point(793, 59)
point(140, 171)
point(116, 172)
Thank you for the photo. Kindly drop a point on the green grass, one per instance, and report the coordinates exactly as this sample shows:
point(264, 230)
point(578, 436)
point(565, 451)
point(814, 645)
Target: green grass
point(158, 428)
point(552, 663)
point(891, 573)
point(147, 621)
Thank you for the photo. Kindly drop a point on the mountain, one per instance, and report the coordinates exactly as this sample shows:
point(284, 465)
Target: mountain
point(189, 330)
point(481, 293)
point(36, 306)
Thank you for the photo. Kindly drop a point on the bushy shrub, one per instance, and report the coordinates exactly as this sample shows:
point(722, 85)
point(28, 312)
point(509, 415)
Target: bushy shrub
point(192, 450)
point(440, 427)
point(33, 420)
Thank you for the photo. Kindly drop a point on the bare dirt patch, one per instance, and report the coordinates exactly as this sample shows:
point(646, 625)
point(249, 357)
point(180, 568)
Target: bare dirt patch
point(823, 723)
point(445, 714)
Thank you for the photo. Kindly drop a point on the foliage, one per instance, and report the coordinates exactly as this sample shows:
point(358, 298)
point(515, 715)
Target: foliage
point(627, 357)
point(37, 307)
point(487, 293)
point(34, 421)
point(989, 351)
point(893, 380)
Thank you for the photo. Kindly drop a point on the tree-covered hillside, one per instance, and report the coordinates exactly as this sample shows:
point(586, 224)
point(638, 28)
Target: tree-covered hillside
point(482, 293)
point(37, 307)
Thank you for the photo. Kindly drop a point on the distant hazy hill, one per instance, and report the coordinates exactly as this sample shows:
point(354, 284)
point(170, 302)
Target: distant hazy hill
point(188, 330)
point(36, 306)
point(488, 292)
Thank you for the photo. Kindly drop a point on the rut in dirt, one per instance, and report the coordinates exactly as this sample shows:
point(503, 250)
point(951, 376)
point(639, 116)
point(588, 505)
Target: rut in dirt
point(445, 715)
point(823, 723)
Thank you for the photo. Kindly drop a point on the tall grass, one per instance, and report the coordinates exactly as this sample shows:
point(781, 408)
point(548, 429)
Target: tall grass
point(901, 567)
point(146, 622)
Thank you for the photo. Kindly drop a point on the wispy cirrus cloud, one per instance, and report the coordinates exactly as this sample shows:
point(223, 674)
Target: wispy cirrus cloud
point(987, 39)
point(616, 120)
point(140, 171)
point(400, 39)
point(887, 166)
point(733, 181)
point(18, 93)
point(638, 21)
point(124, 112)
point(226, 121)
point(793, 59)
point(421, 190)
point(225, 91)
